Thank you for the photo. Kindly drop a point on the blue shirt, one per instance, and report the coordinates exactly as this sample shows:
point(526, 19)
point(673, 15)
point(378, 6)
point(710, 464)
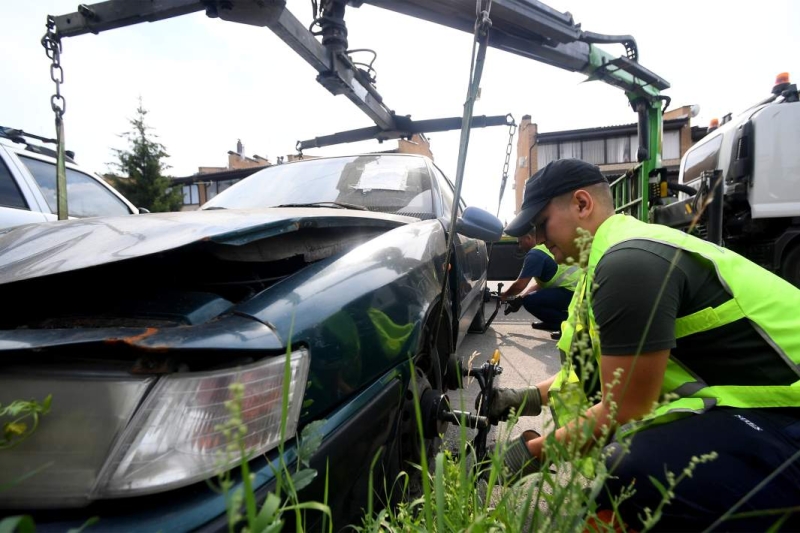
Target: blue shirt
point(538, 264)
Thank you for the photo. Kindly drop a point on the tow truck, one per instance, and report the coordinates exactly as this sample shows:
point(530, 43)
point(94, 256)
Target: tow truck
point(751, 165)
point(524, 27)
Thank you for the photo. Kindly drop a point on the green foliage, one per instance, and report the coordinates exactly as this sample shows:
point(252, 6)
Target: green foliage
point(141, 168)
point(25, 419)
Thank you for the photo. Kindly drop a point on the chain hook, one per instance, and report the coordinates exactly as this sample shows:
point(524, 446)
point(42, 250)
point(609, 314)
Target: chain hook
point(512, 130)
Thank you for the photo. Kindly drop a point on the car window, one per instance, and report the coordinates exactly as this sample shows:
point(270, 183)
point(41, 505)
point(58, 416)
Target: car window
point(448, 192)
point(10, 195)
point(85, 196)
point(383, 183)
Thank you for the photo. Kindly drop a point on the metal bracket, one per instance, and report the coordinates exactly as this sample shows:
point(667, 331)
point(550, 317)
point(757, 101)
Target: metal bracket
point(405, 129)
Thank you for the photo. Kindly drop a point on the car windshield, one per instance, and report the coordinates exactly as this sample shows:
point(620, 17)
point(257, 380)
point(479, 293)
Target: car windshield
point(383, 183)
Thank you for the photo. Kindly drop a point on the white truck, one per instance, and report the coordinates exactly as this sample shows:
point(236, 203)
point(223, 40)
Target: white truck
point(753, 160)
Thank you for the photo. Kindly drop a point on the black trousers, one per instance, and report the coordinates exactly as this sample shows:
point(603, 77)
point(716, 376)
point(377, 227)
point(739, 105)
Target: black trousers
point(751, 444)
point(549, 305)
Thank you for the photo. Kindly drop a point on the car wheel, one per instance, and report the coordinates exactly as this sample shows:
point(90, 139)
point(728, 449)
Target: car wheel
point(790, 266)
point(429, 388)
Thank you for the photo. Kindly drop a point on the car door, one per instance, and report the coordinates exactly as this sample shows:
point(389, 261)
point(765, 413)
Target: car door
point(470, 260)
point(17, 204)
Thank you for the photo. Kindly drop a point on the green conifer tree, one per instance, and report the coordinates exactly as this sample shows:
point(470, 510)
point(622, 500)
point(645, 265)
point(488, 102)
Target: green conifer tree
point(141, 169)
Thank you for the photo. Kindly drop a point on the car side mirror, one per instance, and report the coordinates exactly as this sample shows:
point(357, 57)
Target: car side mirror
point(479, 224)
point(143, 210)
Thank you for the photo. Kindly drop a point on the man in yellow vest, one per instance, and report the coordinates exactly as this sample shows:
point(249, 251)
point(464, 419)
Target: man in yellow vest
point(706, 335)
point(548, 297)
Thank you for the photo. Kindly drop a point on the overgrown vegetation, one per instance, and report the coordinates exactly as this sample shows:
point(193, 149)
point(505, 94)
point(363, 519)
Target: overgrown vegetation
point(141, 169)
point(24, 419)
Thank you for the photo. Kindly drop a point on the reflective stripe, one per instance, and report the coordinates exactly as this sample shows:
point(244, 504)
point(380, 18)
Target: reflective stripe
point(708, 318)
point(687, 389)
point(561, 276)
point(756, 396)
point(566, 276)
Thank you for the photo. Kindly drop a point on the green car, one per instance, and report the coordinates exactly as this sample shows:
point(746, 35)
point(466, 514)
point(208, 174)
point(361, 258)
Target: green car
point(137, 326)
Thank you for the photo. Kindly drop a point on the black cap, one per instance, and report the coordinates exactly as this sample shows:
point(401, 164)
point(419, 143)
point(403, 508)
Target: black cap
point(557, 178)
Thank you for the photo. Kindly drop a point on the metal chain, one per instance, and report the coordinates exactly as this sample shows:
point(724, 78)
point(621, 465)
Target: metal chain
point(512, 129)
point(52, 46)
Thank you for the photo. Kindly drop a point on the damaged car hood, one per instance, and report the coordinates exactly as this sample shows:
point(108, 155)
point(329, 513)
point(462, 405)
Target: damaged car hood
point(50, 248)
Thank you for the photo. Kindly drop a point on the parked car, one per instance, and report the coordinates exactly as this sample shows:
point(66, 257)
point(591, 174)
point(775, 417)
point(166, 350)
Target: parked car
point(28, 185)
point(138, 325)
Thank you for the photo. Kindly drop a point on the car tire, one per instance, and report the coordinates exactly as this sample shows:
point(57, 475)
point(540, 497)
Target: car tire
point(429, 375)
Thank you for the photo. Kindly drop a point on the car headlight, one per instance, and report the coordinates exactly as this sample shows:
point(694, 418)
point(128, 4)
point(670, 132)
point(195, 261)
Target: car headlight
point(58, 464)
point(174, 439)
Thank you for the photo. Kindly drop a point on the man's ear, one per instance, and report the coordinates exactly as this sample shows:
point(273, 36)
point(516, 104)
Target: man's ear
point(584, 203)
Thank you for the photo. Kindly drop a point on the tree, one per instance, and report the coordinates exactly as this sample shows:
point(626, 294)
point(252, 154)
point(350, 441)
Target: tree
point(141, 168)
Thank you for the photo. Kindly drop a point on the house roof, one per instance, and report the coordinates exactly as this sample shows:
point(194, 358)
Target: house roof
point(604, 132)
point(224, 175)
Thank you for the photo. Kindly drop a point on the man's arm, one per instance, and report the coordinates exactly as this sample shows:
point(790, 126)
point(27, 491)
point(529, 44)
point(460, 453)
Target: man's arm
point(515, 288)
point(631, 397)
point(530, 289)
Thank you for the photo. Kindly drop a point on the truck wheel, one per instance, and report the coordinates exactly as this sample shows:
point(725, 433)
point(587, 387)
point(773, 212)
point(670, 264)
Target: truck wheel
point(790, 266)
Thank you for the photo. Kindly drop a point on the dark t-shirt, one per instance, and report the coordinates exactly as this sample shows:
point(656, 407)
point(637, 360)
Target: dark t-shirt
point(635, 311)
point(539, 265)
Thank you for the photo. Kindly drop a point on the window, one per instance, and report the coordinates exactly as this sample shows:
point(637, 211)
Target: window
point(593, 151)
point(211, 190)
point(701, 158)
point(86, 197)
point(222, 185)
point(448, 192)
point(634, 148)
point(546, 153)
point(672, 145)
point(570, 150)
point(618, 150)
point(191, 195)
point(10, 195)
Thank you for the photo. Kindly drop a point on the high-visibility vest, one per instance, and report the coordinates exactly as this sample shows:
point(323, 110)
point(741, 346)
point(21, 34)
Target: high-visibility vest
point(566, 276)
point(769, 303)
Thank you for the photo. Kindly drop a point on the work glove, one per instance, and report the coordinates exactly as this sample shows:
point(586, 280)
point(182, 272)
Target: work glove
point(513, 305)
point(517, 460)
point(502, 400)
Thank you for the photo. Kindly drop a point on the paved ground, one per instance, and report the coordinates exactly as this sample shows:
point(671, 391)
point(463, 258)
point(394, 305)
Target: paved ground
point(528, 356)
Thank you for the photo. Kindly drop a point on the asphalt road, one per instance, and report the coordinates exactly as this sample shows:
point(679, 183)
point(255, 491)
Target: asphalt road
point(528, 356)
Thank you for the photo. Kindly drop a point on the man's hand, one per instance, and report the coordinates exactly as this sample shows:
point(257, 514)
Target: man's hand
point(503, 400)
point(518, 460)
point(513, 306)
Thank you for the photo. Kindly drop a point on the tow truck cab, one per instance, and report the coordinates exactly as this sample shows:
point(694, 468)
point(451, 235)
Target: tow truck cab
point(754, 160)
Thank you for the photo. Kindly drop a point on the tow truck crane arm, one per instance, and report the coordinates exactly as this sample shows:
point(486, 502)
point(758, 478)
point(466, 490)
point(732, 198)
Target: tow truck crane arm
point(525, 27)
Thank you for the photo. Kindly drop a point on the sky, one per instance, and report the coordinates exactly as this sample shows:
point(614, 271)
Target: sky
point(207, 83)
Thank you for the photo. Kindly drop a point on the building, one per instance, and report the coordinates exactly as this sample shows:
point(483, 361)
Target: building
point(210, 181)
point(611, 148)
